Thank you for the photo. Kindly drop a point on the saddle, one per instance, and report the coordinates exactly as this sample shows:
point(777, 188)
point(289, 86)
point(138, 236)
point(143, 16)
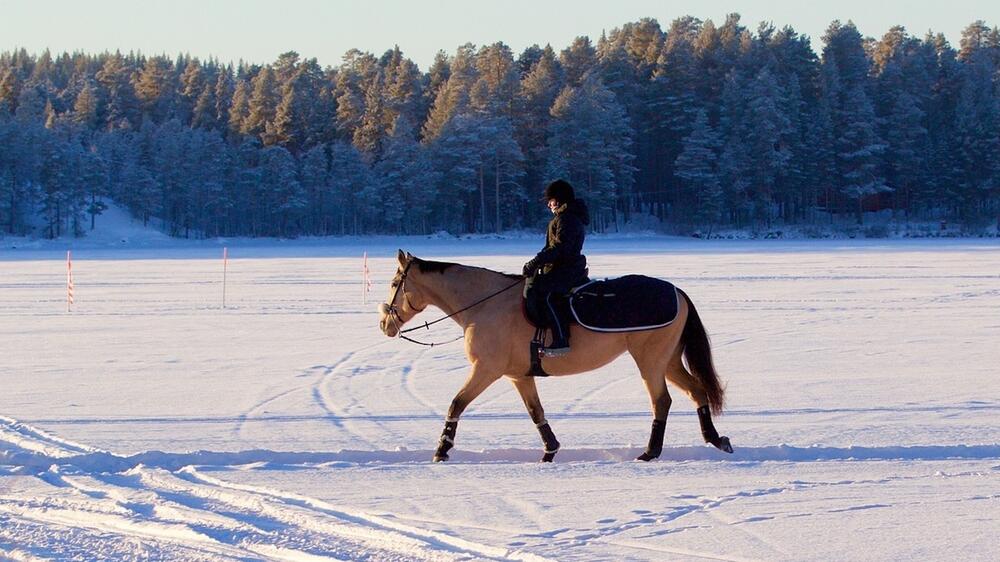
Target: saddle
point(630, 303)
point(623, 304)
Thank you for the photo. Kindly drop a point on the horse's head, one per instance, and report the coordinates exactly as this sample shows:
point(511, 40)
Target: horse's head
point(403, 302)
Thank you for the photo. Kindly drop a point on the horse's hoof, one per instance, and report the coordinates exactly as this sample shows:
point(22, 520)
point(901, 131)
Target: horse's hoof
point(723, 444)
point(440, 458)
point(647, 456)
point(547, 457)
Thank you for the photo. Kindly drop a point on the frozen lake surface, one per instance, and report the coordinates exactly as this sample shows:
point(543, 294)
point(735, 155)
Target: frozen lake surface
point(149, 423)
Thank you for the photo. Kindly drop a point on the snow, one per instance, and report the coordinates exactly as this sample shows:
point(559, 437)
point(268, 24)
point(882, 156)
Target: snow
point(151, 423)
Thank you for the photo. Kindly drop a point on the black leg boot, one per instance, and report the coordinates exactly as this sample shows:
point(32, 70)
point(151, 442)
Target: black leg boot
point(549, 439)
point(655, 446)
point(447, 440)
point(709, 433)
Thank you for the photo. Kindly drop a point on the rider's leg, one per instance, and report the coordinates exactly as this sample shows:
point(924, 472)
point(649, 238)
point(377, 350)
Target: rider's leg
point(560, 327)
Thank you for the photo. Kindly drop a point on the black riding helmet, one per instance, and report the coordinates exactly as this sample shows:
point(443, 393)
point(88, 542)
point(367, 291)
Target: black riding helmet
point(560, 190)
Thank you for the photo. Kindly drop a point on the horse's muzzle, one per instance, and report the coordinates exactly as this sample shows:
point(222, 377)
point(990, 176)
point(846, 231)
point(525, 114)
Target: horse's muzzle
point(385, 323)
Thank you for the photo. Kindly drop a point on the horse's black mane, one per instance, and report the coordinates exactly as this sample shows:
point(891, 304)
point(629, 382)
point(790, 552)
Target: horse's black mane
point(428, 266)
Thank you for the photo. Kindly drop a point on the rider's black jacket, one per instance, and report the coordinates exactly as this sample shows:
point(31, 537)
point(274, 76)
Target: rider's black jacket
point(561, 261)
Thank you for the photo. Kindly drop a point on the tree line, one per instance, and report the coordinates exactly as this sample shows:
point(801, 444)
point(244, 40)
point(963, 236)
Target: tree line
point(698, 125)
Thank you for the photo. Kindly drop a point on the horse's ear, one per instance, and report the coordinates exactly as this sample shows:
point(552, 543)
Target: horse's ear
point(409, 256)
point(401, 257)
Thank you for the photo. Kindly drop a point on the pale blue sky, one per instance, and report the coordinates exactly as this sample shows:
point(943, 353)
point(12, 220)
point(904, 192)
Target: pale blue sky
point(258, 30)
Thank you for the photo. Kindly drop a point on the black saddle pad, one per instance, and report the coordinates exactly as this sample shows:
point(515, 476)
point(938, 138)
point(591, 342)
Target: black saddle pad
point(624, 304)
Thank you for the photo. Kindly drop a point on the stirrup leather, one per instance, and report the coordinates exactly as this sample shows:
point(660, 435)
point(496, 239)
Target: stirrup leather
point(535, 350)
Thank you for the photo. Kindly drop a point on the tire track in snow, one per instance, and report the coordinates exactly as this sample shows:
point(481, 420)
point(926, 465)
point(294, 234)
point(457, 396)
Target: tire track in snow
point(188, 515)
point(355, 409)
point(370, 525)
point(257, 524)
point(250, 414)
point(23, 447)
point(711, 510)
point(102, 522)
point(27, 539)
point(325, 373)
point(323, 399)
point(33, 439)
point(575, 405)
point(232, 535)
point(318, 391)
point(671, 552)
point(656, 521)
point(530, 511)
point(20, 462)
point(345, 416)
point(972, 406)
point(408, 383)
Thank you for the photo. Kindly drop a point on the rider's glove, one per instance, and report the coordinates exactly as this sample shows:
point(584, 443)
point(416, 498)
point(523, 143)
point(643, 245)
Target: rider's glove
point(530, 268)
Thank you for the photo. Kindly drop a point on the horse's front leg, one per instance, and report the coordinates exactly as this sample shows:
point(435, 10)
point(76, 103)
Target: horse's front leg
point(478, 381)
point(529, 393)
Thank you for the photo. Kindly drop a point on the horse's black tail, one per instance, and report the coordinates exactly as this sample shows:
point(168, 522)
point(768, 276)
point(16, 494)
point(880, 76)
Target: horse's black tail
point(698, 352)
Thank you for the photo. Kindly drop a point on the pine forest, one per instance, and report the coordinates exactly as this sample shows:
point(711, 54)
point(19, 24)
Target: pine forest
point(692, 128)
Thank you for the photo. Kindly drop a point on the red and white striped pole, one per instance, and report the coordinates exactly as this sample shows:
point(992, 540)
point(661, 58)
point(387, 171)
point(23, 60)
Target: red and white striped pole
point(69, 281)
point(366, 280)
point(225, 269)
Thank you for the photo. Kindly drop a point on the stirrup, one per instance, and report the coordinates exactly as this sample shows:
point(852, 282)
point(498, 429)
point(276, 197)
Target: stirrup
point(556, 351)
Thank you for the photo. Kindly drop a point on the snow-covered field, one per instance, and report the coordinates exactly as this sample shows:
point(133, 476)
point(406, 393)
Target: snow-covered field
point(149, 423)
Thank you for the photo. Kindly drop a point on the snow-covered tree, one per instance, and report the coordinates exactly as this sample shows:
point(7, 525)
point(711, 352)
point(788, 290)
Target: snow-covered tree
point(240, 109)
point(858, 151)
point(589, 145)
point(406, 181)
point(697, 168)
point(369, 137)
point(155, 89)
point(261, 105)
point(285, 197)
point(453, 97)
point(85, 107)
point(349, 175)
point(577, 59)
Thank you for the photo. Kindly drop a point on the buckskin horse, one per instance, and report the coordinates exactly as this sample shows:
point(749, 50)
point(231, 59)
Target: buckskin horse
point(497, 333)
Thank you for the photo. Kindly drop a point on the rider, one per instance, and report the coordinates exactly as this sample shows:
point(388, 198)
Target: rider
point(560, 265)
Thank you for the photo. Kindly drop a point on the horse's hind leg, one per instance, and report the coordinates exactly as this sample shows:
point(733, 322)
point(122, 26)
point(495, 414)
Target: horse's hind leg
point(680, 376)
point(647, 348)
point(660, 400)
point(477, 382)
point(529, 393)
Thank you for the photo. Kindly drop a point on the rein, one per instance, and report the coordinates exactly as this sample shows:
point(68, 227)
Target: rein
point(427, 325)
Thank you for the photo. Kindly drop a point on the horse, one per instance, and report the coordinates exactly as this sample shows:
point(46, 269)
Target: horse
point(497, 333)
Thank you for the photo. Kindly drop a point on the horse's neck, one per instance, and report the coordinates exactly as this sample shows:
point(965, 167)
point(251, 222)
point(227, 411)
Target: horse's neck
point(460, 286)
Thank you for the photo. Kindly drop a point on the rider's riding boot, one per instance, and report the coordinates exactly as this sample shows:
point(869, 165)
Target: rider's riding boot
point(557, 348)
point(560, 332)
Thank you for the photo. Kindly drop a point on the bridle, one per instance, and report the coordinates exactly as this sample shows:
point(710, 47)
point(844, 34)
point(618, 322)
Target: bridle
point(390, 307)
point(392, 311)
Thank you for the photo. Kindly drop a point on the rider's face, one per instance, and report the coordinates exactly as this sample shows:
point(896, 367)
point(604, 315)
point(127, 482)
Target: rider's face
point(552, 205)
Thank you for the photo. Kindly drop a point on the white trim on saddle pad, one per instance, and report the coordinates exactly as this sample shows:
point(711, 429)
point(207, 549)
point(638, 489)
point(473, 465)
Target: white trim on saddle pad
point(576, 290)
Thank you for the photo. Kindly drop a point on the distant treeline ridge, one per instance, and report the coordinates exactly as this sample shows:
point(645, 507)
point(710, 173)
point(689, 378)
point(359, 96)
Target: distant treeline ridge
point(699, 125)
